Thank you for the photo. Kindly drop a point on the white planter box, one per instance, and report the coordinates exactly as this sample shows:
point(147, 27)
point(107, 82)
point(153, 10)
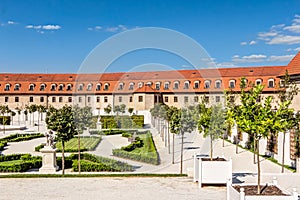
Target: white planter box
point(212, 172)
point(233, 194)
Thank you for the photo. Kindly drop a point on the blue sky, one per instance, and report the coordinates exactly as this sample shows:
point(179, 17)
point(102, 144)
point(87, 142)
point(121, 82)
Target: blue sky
point(56, 36)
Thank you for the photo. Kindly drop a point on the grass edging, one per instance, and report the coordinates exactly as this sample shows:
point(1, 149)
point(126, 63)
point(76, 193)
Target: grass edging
point(90, 175)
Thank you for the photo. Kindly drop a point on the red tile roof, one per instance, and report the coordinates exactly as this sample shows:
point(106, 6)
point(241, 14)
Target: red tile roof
point(294, 66)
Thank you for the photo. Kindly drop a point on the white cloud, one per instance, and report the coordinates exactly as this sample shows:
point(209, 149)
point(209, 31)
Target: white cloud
point(29, 26)
point(297, 19)
point(98, 27)
point(283, 58)
point(51, 27)
point(112, 29)
point(289, 49)
point(250, 58)
point(285, 39)
point(11, 22)
point(243, 43)
point(252, 42)
point(297, 49)
point(293, 28)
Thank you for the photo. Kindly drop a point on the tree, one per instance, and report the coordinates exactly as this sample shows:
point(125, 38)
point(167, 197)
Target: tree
point(19, 114)
point(175, 115)
point(122, 108)
point(117, 109)
point(108, 109)
point(130, 110)
point(12, 113)
point(83, 119)
point(284, 118)
point(4, 110)
point(32, 110)
point(255, 118)
point(62, 122)
point(212, 123)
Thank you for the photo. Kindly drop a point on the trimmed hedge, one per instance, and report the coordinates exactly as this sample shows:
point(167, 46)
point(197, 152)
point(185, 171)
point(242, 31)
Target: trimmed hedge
point(5, 120)
point(124, 121)
point(19, 162)
point(86, 144)
point(146, 153)
point(17, 137)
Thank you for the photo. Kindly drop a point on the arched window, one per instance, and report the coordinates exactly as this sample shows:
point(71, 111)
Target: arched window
point(186, 85)
point(89, 87)
point(69, 87)
point(149, 83)
point(106, 86)
point(218, 84)
point(131, 86)
point(271, 83)
point(157, 85)
point(80, 87)
point(196, 84)
point(17, 87)
point(53, 87)
point(140, 84)
point(207, 84)
point(98, 87)
point(166, 85)
point(31, 87)
point(42, 87)
point(232, 83)
point(176, 85)
point(121, 86)
point(60, 87)
point(258, 82)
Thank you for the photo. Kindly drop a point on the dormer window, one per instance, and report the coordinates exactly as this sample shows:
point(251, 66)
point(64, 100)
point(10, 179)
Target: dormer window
point(7, 87)
point(196, 84)
point(186, 85)
point(31, 87)
point(106, 85)
point(80, 87)
point(140, 84)
point(89, 87)
point(157, 85)
point(166, 85)
point(69, 87)
point(17, 87)
point(131, 86)
point(53, 87)
point(232, 84)
point(176, 85)
point(121, 86)
point(207, 84)
point(60, 87)
point(149, 83)
point(42, 87)
point(258, 82)
point(98, 87)
point(271, 83)
point(218, 84)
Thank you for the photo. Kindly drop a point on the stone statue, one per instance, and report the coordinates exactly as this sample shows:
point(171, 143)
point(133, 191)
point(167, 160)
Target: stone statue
point(50, 139)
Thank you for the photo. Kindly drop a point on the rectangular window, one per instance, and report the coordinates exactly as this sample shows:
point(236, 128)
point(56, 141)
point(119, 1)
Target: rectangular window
point(60, 99)
point(6, 99)
point(186, 85)
point(166, 86)
point(120, 99)
point(196, 98)
point(105, 99)
point(30, 99)
point(186, 99)
point(196, 85)
point(16, 99)
point(218, 99)
point(166, 99)
point(70, 99)
point(140, 98)
point(79, 99)
point(41, 99)
point(88, 99)
point(175, 99)
point(206, 99)
point(130, 99)
point(157, 86)
point(98, 99)
point(176, 86)
point(53, 99)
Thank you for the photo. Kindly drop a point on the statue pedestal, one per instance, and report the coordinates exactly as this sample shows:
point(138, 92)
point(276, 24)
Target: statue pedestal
point(48, 160)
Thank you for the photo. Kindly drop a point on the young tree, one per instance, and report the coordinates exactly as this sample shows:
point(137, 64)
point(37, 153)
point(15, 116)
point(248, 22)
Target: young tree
point(4, 110)
point(12, 114)
point(62, 122)
point(122, 108)
point(117, 109)
point(32, 110)
point(19, 114)
point(83, 119)
point(255, 118)
point(108, 109)
point(212, 123)
point(175, 115)
point(130, 110)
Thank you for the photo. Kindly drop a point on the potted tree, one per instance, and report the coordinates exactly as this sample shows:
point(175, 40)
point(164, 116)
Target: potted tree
point(213, 170)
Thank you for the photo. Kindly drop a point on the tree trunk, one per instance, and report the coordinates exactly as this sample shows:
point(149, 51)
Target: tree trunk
point(168, 131)
point(79, 166)
point(258, 168)
point(173, 149)
point(181, 154)
point(254, 150)
point(63, 157)
point(211, 148)
point(38, 121)
point(283, 152)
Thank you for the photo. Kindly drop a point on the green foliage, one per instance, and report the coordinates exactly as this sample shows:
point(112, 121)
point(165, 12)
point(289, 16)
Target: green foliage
point(108, 109)
point(83, 117)
point(39, 147)
point(146, 153)
point(4, 120)
point(21, 137)
point(175, 116)
point(19, 163)
point(130, 110)
point(111, 122)
point(138, 143)
point(86, 144)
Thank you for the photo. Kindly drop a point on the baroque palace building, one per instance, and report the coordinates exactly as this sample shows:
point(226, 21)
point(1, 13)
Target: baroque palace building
point(139, 90)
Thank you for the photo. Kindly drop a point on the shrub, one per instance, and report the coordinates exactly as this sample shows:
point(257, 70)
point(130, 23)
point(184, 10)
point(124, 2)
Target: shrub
point(5, 120)
point(124, 121)
point(21, 137)
point(39, 147)
point(86, 144)
point(19, 162)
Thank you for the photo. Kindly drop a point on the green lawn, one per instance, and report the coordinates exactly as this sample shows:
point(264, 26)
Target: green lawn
point(11, 162)
point(86, 144)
